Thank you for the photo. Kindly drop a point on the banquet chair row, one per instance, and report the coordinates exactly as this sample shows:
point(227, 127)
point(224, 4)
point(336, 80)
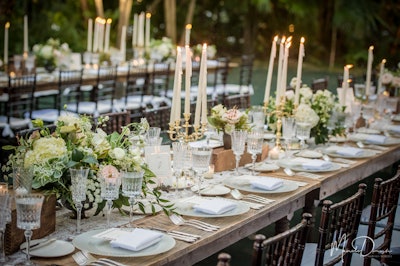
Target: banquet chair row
point(341, 236)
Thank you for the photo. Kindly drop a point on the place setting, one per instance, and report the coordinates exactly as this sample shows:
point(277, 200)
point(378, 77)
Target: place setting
point(302, 164)
point(261, 184)
point(349, 152)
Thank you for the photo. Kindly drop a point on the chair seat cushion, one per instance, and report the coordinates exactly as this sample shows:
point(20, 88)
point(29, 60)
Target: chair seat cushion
point(236, 88)
point(45, 93)
point(15, 123)
point(90, 107)
point(366, 213)
point(310, 253)
point(49, 115)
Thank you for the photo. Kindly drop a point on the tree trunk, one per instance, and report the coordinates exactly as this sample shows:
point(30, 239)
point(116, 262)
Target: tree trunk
point(333, 48)
point(170, 19)
point(188, 20)
point(153, 6)
point(250, 29)
point(125, 7)
point(99, 8)
point(85, 9)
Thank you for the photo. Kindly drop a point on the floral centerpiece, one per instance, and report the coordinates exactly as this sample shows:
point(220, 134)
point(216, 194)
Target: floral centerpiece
point(391, 79)
point(51, 54)
point(316, 108)
point(197, 49)
point(227, 120)
point(73, 144)
point(162, 50)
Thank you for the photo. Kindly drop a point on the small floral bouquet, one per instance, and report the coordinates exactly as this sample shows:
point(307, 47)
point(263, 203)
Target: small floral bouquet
point(211, 51)
point(51, 53)
point(226, 120)
point(162, 50)
point(75, 144)
point(391, 79)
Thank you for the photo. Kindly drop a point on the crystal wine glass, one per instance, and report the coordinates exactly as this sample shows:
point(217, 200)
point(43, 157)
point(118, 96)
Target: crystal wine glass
point(5, 218)
point(109, 192)
point(258, 116)
point(200, 162)
point(303, 130)
point(288, 131)
point(132, 187)
point(187, 168)
point(29, 208)
point(78, 191)
point(30, 63)
point(238, 144)
point(255, 140)
point(178, 150)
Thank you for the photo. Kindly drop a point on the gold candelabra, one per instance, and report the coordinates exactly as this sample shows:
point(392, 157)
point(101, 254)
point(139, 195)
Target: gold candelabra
point(279, 113)
point(182, 132)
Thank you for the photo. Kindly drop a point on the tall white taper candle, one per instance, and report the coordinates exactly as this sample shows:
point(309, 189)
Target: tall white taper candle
point(89, 36)
point(26, 49)
point(279, 75)
point(188, 76)
point(270, 70)
point(369, 71)
point(6, 27)
point(107, 38)
point(299, 70)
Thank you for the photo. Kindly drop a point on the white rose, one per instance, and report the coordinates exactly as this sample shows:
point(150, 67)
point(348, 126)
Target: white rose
point(119, 153)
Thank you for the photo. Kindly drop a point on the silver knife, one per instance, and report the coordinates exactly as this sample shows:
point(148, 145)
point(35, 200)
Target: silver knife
point(40, 244)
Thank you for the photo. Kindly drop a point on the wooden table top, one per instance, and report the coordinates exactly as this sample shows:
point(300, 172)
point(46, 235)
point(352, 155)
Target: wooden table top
point(238, 227)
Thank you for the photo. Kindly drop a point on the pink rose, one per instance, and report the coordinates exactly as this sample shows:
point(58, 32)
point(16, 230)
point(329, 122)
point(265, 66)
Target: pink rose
point(232, 116)
point(109, 171)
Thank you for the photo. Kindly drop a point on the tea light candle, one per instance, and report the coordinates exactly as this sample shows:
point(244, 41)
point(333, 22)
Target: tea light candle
point(274, 153)
point(3, 188)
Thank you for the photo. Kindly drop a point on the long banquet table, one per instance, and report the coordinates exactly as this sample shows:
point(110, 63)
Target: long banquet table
point(238, 227)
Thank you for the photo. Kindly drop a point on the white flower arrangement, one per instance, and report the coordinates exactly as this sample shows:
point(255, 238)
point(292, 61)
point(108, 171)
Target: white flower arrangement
point(51, 53)
point(226, 120)
point(162, 50)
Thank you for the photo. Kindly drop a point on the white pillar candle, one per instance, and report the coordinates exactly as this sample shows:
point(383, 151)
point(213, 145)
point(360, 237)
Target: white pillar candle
point(107, 38)
point(26, 49)
point(147, 37)
point(299, 70)
point(176, 97)
point(270, 70)
point(278, 78)
point(135, 30)
point(123, 43)
point(141, 30)
point(89, 36)
point(187, 34)
point(203, 70)
point(6, 27)
point(285, 67)
point(369, 70)
point(381, 72)
point(96, 36)
point(188, 76)
point(101, 34)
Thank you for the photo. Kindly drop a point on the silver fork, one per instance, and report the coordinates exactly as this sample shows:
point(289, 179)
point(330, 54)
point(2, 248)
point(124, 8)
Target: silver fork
point(178, 220)
point(258, 198)
point(85, 258)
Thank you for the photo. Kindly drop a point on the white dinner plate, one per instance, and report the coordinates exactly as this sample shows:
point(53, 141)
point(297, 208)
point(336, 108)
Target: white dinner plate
point(365, 130)
point(102, 247)
point(57, 248)
point(243, 183)
point(147, 209)
point(263, 167)
point(201, 143)
point(309, 154)
point(212, 190)
point(363, 154)
point(285, 163)
point(388, 141)
point(186, 208)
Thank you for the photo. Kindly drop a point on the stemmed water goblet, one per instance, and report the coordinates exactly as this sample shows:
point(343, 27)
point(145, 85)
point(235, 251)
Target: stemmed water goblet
point(255, 141)
point(110, 191)
point(303, 130)
point(238, 145)
point(187, 167)
point(258, 116)
point(29, 208)
point(5, 218)
point(132, 187)
point(78, 191)
point(178, 150)
point(30, 63)
point(288, 132)
point(200, 162)
point(17, 62)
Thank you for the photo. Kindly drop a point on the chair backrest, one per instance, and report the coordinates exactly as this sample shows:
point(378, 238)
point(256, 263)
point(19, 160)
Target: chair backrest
point(105, 88)
point(383, 206)
point(285, 248)
point(137, 82)
point(224, 259)
point(246, 70)
point(20, 92)
point(69, 85)
point(241, 101)
point(116, 121)
point(338, 226)
point(160, 78)
point(319, 84)
point(158, 117)
point(221, 71)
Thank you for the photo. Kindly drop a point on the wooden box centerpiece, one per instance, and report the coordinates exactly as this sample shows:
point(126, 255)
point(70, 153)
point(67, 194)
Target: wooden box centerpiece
point(14, 236)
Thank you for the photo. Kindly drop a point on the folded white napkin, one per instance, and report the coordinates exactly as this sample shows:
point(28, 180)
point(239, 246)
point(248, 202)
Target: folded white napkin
point(393, 128)
point(349, 151)
point(316, 164)
point(137, 240)
point(215, 206)
point(376, 139)
point(267, 183)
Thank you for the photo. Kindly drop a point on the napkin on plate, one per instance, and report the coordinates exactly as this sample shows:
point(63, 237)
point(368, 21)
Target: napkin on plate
point(376, 139)
point(137, 240)
point(316, 164)
point(393, 128)
point(349, 151)
point(215, 206)
point(267, 183)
